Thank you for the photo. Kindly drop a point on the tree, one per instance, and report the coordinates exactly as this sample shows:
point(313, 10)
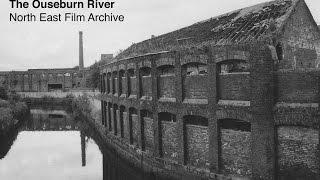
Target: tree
point(94, 79)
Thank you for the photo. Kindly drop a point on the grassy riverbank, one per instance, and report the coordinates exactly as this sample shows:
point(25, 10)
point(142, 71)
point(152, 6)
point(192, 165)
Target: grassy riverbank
point(12, 110)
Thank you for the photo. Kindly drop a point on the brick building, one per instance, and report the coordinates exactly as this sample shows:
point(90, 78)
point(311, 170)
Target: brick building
point(43, 80)
point(236, 94)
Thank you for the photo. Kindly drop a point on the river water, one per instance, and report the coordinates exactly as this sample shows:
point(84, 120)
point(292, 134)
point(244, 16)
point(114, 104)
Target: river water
point(49, 146)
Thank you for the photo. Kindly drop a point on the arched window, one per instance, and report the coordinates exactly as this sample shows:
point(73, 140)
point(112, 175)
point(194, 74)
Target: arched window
point(166, 70)
point(192, 69)
point(233, 66)
point(145, 71)
point(122, 81)
point(195, 82)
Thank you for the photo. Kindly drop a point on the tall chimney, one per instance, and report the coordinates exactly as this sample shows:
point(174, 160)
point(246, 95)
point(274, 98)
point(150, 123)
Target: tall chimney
point(80, 51)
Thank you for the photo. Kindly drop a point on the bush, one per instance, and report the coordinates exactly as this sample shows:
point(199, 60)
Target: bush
point(19, 109)
point(4, 104)
point(6, 119)
point(81, 106)
point(14, 97)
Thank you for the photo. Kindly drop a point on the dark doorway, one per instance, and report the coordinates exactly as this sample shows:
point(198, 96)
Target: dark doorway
point(53, 87)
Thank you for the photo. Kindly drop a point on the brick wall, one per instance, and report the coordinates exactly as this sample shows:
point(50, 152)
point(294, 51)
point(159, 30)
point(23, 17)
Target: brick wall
point(133, 85)
point(112, 119)
point(126, 132)
point(234, 87)
point(235, 152)
point(195, 87)
point(167, 86)
point(297, 151)
point(297, 87)
point(300, 39)
point(148, 133)
point(169, 140)
point(118, 123)
point(124, 85)
point(146, 86)
point(197, 145)
point(135, 129)
point(298, 116)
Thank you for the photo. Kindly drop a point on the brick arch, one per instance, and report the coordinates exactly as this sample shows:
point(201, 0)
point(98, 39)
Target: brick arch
point(167, 109)
point(231, 54)
point(145, 63)
point(122, 67)
point(165, 61)
point(194, 58)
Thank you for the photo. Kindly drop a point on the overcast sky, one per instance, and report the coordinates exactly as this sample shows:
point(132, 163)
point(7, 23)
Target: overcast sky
point(55, 45)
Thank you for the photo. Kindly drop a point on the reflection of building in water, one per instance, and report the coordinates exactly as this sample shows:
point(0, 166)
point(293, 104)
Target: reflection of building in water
point(50, 120)
point(83, 148)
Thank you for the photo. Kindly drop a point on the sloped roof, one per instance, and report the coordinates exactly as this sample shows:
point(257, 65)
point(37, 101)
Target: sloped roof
point(240, 26)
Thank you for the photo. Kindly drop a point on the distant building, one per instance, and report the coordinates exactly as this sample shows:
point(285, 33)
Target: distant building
point(43, 80)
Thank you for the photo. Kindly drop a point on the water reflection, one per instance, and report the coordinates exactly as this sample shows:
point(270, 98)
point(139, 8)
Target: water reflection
point(49, 146)
point(48, 119)
point(52, 145)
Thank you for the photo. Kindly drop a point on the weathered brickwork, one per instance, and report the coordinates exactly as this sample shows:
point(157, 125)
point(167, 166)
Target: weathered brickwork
point(146, 86)
point(298, 150)
point(236, 152)
point(297, 86)
point(126, 131)
point(234, 87)
point(197, 145)
point(135, 130)
point(40, 80)
point(167, 86)
point(148, 134)
point(300, 40)
point(260, 85)
point(169, 140)
point(133, 86)
point(195, 87)
point(297, 115)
